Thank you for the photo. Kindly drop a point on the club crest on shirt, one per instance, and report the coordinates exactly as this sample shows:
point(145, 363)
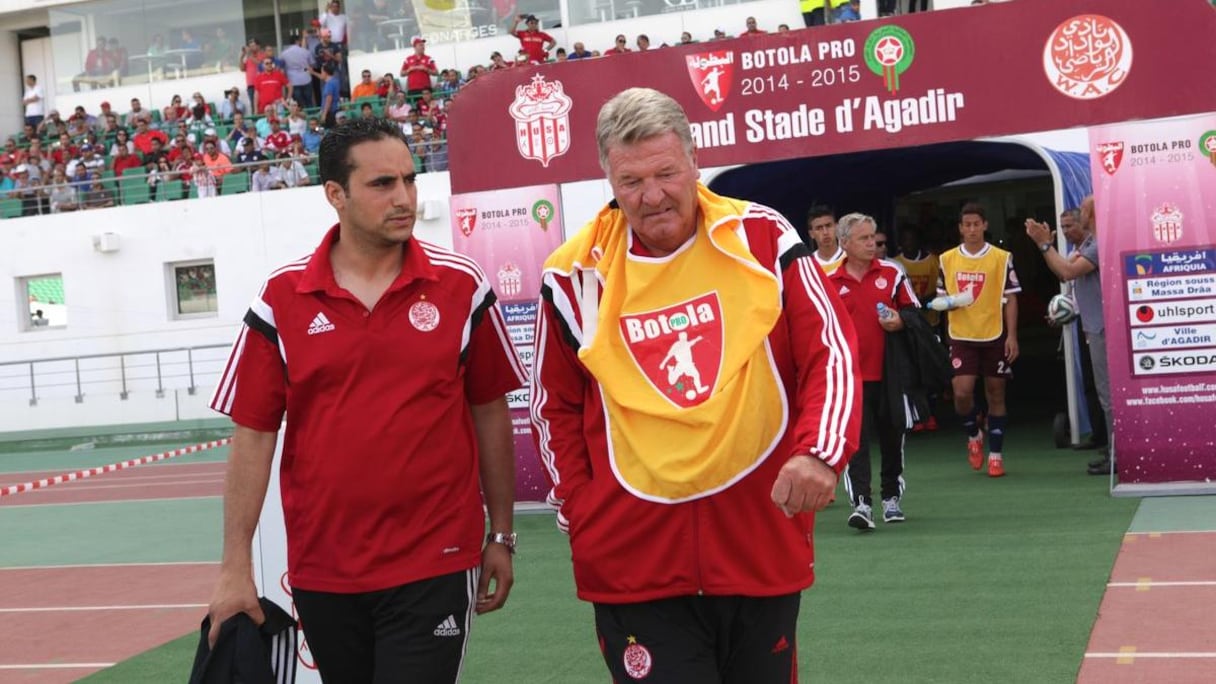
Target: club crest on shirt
point(970, 281)
point(424, 316)
point(637, 659)
point(678, 348)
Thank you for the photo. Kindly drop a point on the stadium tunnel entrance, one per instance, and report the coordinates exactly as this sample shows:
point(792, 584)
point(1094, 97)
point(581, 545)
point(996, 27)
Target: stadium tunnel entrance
point(922, 188)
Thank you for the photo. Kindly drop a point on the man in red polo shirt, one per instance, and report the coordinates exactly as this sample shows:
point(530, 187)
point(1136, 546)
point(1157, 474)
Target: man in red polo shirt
point(532, 40)
point(270, 85)
point(418, 69)
point(390, 361)
point(874, 290)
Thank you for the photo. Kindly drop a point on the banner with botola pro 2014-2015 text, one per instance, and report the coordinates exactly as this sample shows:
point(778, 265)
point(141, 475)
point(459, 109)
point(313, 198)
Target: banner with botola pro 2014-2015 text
point(928, 77)
point(1155, 208)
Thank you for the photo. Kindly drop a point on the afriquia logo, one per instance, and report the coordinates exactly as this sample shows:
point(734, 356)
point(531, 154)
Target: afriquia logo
point(889, 52)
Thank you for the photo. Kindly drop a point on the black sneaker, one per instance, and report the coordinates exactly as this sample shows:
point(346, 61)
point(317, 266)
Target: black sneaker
point(1102, 468)
point(862, 518)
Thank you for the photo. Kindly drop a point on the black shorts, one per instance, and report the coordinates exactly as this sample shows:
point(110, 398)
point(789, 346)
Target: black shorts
point(986, 359)
point(415, 632)
point(697, 639)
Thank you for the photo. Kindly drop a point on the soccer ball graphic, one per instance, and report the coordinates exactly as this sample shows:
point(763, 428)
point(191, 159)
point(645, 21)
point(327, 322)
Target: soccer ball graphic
point(1062, 309)
point(690, 395)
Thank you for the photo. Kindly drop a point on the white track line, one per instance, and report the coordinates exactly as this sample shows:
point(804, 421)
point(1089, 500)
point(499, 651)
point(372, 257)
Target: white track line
point(1132, 655)
point(75, 609)
point(94, 487)
point(1166, 583)
point(116, 501)
point(55, 666)
point(119, 477)
point(106, 565)
point(1145, 534)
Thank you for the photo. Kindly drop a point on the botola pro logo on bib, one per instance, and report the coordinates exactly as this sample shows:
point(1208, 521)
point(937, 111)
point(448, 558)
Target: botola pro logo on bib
point(678, 348)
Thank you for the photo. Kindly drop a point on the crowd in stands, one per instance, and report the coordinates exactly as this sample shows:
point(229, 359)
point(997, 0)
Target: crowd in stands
point(265, 137)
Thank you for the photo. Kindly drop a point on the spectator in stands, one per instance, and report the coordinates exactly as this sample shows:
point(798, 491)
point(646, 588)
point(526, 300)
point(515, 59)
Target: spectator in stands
point(52, 126)
point(154, 176)
point(751, 29)
point(298, 65)
point(203, 177)
point(420, 146)
point(219, 51)
point(343, 72)
point(122, 139)
point(199, 114)
point(118, 57)
point(292, 172)
point(217, 162)
point(248, 153)
point(64, 149)
point(449, 83)
point(643, 42)
point(437, 154)
point(99, 121)
point(262, 179)
point(156, 48)
point(720, 34)
point(783, 28)
point(497, 62)
point(559, 55)
point(418, 68)
point(174, 110)
point(211, 135)
point(98, 67)
point(849, 12)
point(399, 109)
point(194, 55)
point(334, 21)
point(297, 122)
point(270, 86)
point(97, 196)
point(311, 138)
point(240, 130)
point(6, 175)
point(136, 114)
point(813, 13)
point(269, 52)
point(387, 88)
point(620, 47)
point(61, 195)
point(31, 99)
point(534, 42)
point(80, 122)
point(23, 189)
point(686, 38)
point(366, 111)
point(144, 136)
point(579, 52)
point(365, 87)
point(89, 158)
point(231, 104)
point(123, 160)
point(278, 139)
point(330, 95)
point(156, 151)
point(251, 61)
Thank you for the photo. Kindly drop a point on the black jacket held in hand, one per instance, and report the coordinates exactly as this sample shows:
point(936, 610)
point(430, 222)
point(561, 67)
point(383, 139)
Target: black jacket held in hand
point(246, 653)
point(916, 365)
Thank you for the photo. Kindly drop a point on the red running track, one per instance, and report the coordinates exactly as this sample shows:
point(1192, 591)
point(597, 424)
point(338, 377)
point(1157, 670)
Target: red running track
point(152, 481)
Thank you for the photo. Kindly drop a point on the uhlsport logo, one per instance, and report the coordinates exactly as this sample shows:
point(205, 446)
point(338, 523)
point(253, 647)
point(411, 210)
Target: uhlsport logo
point(1147, 363)
point(1207, 143)
point(1167, 223)
point(1110, 154)
point(467, 220)
point(542, 120)
point(889, 52)
point(711, 74)
point(1087, 56)
point(678, 348)
point(970, 281)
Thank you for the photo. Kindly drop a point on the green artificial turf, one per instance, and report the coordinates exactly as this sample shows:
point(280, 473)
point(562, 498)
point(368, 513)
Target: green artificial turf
point(987, 581)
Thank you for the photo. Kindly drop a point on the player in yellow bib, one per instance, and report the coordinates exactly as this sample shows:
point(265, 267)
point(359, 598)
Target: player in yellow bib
point(979, 287)
point(821, 222)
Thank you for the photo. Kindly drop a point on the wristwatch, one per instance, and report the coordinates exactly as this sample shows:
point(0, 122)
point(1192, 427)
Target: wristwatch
point(507, 539)
point(1044, 247)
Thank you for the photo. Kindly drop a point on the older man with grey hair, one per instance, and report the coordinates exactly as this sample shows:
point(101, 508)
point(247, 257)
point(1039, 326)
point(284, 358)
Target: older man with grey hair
point(694, 399)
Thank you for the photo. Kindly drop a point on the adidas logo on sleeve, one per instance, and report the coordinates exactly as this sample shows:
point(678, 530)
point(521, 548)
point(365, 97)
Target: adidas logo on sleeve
point(320, 324)
point(448, 627)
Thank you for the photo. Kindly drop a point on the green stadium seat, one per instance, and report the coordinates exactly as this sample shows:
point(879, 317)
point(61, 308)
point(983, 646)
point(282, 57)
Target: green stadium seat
point(169, 191)
point(235, 183)
point(135, 193)
point(10, 208)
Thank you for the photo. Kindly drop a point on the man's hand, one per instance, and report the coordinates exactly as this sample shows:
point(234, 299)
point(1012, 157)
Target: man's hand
point(496, 566)
point(804, 484)
point(1011, 349)
point(233, 595)
point(1040, 233)
point(892, 323)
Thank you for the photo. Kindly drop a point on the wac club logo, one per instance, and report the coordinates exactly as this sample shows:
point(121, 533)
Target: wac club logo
point(1087, 56)
point(467, 220)
point(889, 52)
point(542, 120)
point(1111, 156)
point(1207, 143)
point(711, 74)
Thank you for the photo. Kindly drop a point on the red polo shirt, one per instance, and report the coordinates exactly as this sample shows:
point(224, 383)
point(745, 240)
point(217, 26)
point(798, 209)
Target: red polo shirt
point(417, 80)
point(379, 472)
point(883, 282)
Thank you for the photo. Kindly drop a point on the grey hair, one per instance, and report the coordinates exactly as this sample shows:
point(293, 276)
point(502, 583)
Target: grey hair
point(639, 114)
point(1074, 213)
point(847, 222)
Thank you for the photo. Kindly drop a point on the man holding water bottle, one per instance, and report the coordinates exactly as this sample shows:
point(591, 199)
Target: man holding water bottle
point(873, 291)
